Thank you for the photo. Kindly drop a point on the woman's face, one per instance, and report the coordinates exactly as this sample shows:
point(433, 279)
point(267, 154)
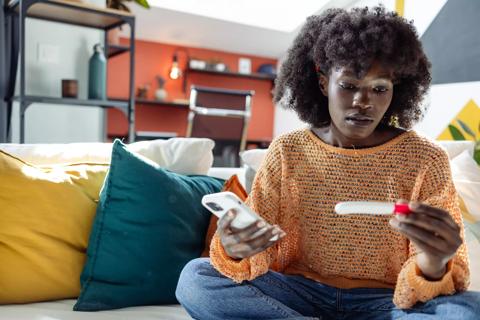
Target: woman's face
point(357, 106)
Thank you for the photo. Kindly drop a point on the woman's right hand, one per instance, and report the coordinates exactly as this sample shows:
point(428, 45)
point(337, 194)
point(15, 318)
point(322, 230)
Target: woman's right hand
point(246, 242)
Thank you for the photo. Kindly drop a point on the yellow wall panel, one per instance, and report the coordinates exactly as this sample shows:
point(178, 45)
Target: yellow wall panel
point(470, 114)
point(400, 7)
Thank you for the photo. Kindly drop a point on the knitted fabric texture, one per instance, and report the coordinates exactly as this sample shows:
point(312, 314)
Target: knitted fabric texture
point(297, 187)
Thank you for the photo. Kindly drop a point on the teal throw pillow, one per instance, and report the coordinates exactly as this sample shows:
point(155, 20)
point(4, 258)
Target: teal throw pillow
point(149, 224)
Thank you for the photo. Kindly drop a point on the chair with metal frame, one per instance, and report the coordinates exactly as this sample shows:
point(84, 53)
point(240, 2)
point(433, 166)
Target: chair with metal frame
point(222, 115)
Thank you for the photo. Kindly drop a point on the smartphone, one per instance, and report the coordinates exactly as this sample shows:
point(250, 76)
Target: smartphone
point(220, 203)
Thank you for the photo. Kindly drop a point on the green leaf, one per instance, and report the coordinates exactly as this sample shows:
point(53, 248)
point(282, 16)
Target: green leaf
point(143, 3)
point(476, 152)
point(467, 129)
point(456, 134)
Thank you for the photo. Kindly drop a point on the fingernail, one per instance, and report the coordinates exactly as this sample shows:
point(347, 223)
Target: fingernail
point(401, 217)
point(260, 224)
point(275, 231)
point(393, 222)
point(230, 214)
point(413, 205)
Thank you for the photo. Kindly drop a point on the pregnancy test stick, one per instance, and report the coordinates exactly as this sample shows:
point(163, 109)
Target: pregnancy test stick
point(371, 207)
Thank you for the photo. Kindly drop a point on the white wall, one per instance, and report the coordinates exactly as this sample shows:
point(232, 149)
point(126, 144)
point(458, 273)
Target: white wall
point(445, 101)
point(58, 123)
point(285, 120)
point(422, 12)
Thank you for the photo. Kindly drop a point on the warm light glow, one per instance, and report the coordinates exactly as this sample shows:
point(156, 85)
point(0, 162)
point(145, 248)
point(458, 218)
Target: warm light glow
point(175, 72)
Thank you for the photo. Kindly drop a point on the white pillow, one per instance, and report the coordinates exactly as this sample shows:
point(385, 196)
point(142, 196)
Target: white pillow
point(454, 148)
point(466, 177)
point(252, 160)
point(253, 157)
point(180, 155)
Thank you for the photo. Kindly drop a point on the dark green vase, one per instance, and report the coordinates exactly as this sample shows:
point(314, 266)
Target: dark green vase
point(97, 74)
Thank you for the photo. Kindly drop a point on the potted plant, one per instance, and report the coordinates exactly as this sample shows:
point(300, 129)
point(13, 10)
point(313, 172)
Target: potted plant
point(458, 135)
point(114, 34)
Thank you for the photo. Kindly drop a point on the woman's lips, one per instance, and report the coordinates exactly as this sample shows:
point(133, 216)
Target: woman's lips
point(359, 121)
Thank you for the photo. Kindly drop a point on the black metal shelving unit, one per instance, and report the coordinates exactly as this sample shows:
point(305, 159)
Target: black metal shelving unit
point(3, 75)
point(114, 50)
point(16, 12)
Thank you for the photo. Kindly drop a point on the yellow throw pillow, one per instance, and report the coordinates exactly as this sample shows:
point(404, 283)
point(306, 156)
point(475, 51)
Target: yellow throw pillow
point(45, 220)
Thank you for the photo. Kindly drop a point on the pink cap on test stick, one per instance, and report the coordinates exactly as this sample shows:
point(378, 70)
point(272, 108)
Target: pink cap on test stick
point(402, 208)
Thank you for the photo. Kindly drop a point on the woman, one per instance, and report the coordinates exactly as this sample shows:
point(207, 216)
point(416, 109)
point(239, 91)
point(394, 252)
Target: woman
point(357, 78)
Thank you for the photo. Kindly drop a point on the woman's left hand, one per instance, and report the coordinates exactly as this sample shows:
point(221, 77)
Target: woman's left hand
point(435, 235)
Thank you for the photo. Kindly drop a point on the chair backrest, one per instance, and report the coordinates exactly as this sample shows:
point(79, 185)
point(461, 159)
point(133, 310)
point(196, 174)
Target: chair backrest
point(222, 115)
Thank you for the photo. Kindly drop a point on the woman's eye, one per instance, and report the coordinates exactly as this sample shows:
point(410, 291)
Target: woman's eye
point(347, 86)
point(380, 89)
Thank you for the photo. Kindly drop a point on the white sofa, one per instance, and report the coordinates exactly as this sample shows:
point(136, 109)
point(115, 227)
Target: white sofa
point(62, 310)
point(198, 161)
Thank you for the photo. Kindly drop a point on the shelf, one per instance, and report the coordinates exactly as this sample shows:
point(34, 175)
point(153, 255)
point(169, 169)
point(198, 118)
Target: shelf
point(75, 13)
point(114, 50)
point(254, 76)
point(162, 103)
point(77, 102)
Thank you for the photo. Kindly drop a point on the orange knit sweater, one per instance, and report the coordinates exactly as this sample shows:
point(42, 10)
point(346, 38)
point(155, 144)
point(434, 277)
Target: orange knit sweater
point(297, 187)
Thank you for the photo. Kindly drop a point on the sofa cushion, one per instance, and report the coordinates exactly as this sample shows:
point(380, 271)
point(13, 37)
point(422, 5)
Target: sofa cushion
point(45, 220)
point(149, 224)
point(227, 173)
point(252, 159)
point(62, 310)
point(181, 155)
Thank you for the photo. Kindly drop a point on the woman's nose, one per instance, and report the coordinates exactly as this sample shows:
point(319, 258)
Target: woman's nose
point(361, 100)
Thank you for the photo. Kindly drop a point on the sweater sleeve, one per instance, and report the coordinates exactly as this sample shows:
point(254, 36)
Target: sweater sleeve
point(264, 199)
point(435, 189)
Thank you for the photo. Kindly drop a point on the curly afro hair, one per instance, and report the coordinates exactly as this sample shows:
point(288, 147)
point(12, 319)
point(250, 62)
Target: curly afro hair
point(354, 39)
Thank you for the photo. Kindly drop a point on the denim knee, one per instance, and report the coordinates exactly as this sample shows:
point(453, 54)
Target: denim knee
point(190, 285)
point(466, 304)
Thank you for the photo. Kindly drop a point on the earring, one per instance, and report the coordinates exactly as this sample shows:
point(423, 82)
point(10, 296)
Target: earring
point(393, 122)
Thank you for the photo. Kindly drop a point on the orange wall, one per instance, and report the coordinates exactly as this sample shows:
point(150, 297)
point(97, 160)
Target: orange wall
point(153, 59)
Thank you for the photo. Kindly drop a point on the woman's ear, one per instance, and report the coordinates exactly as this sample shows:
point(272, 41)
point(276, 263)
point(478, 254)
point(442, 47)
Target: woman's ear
point(323, 83)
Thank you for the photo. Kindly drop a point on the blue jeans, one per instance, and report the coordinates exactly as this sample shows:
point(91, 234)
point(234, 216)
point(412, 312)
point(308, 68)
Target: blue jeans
point(208, 295)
